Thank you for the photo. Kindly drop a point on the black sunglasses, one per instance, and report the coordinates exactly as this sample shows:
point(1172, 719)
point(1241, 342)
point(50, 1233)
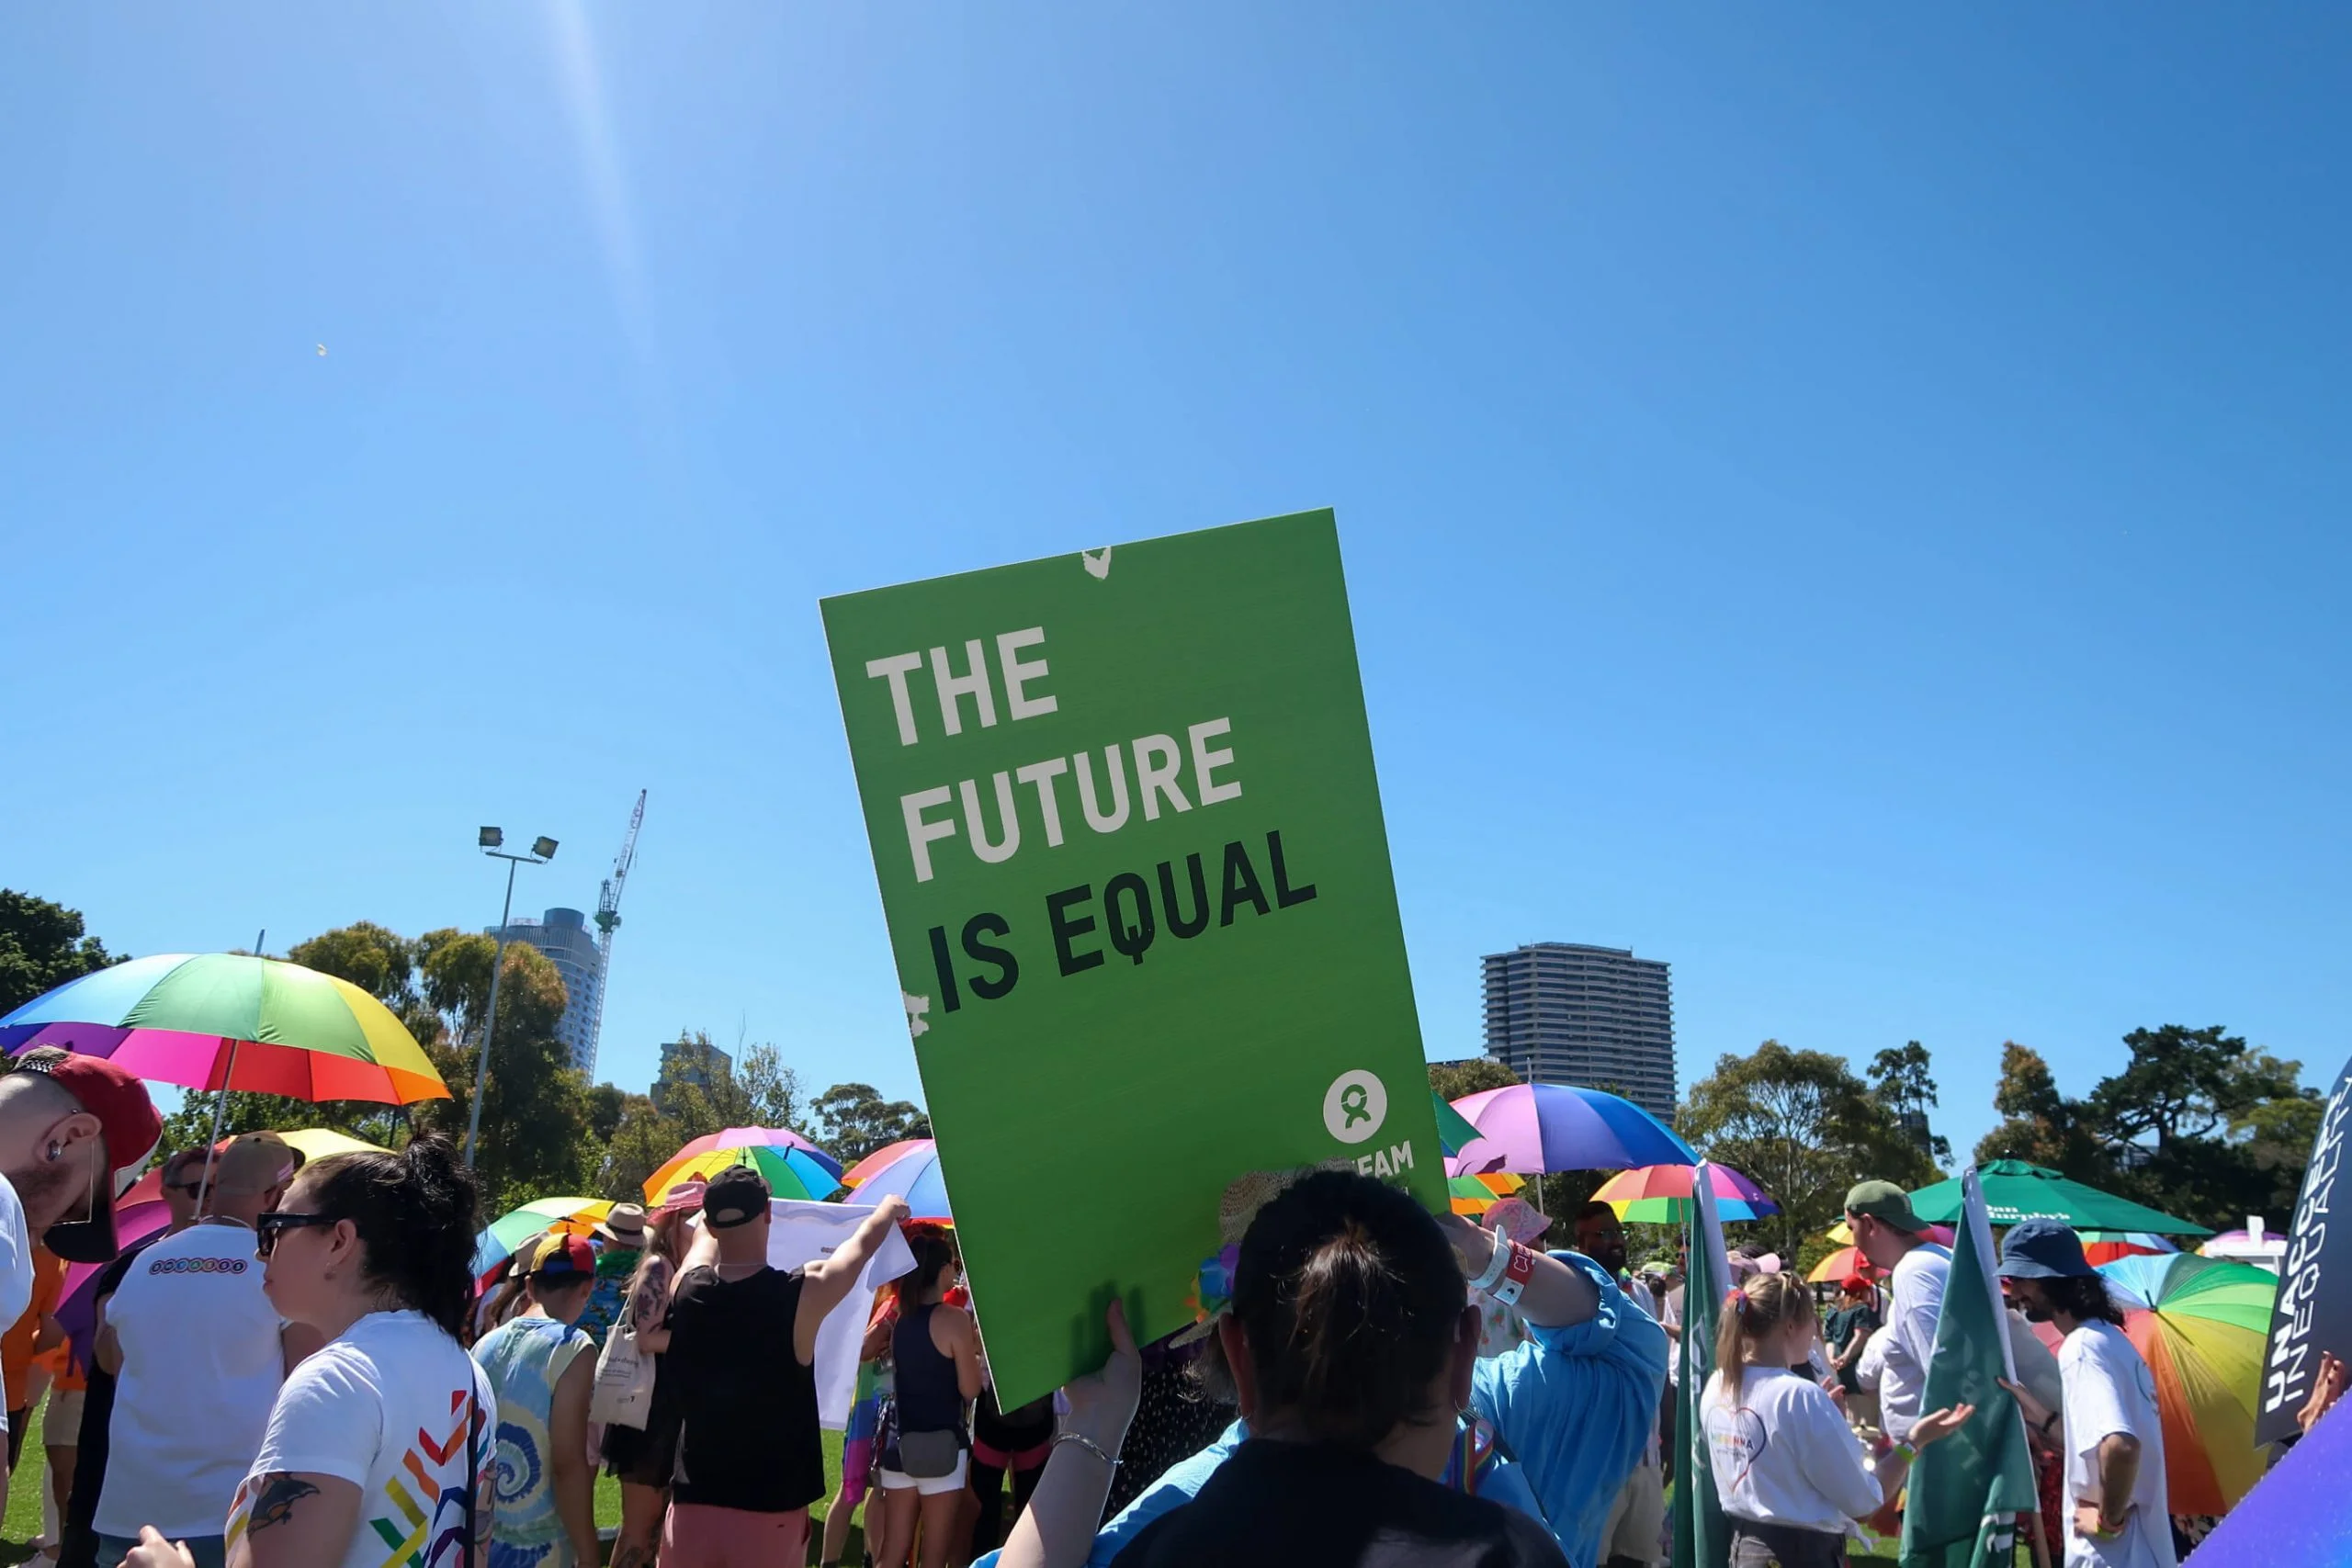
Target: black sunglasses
point(268, 1227)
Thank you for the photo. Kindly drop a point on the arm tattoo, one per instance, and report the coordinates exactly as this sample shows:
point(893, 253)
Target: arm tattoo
point(276, 1503)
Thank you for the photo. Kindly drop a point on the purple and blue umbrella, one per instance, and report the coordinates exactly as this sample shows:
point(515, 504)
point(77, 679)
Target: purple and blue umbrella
point(1529, 1129)
point(908, 1169)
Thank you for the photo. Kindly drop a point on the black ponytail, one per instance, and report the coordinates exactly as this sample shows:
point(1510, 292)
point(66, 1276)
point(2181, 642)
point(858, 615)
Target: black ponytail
point(416, 1212)
point(1351, 1299)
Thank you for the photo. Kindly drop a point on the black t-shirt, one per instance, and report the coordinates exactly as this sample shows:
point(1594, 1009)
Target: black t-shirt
point(1302, 1505)
point(748, 1437)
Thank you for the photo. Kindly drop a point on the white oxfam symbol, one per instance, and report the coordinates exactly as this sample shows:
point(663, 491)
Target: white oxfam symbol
point(1354, 1105)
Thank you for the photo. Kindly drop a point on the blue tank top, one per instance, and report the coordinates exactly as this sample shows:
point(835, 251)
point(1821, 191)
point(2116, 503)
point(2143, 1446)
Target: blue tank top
point(929, 1398)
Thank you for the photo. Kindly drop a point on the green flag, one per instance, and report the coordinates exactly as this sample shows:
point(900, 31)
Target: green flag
point(1701, 1536)
point(1966, 1491)
point(1131, 857)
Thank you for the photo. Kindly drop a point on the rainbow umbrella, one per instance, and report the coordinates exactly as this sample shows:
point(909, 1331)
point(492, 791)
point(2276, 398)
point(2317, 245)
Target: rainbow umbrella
point(2201, 1324)
point(1474, 1195)
point(1454, 1129)
point(908, 1169)
point(2302, 1512)
point(2106, 1247)
point(758, 1137)
point(1533, 1128)
point(792, 1169)
point(574, 1216)
point(1660, 1194)
point(227, 1021)
point(1835, 1269)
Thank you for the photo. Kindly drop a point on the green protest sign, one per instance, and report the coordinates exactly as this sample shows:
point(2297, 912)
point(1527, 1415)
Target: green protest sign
point(1130, 842)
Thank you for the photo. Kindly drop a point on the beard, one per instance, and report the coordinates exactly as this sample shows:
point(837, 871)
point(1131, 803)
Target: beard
point(2036, 1310)
point(48, 1189)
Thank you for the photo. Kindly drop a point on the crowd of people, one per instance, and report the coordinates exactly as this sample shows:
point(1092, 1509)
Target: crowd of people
point(301, 1369)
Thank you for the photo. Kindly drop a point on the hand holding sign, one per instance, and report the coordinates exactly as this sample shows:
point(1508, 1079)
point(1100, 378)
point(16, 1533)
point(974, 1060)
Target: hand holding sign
point(1132, 859)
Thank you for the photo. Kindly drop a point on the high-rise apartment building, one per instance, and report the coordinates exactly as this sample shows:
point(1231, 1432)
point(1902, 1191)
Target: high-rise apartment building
point(1563, 1012)
point(563, 935)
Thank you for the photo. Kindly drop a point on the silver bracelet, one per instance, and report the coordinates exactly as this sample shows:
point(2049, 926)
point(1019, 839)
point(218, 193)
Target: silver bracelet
point(1089, 1444)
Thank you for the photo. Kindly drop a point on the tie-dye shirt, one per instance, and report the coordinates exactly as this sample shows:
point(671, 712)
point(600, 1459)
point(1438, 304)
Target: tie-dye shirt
point(525, 1358)
point(396, 1407)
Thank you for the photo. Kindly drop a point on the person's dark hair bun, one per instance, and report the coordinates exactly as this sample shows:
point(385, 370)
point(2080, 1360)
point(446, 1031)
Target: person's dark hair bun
point(1351, 1299)
point(416, 1212)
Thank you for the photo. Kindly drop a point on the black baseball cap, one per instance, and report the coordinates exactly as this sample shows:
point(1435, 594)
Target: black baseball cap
point(736, 1196)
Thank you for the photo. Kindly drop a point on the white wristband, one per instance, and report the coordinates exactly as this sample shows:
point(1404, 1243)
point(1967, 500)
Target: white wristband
point(1498, 1260)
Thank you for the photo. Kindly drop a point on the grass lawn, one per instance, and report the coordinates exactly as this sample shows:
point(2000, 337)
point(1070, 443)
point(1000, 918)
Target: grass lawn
point(23, 1522)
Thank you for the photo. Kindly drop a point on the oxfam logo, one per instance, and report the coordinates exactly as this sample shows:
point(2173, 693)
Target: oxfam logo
point(1354, 1105)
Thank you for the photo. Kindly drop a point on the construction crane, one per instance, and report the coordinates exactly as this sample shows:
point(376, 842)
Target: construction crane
point(608, 920)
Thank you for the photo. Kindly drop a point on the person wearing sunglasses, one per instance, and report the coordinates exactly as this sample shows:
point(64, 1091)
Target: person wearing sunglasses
point(192, 1329)
point(379, 1445)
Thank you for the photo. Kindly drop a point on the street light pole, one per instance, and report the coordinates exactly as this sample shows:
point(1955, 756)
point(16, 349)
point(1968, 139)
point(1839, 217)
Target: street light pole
point(541, 852)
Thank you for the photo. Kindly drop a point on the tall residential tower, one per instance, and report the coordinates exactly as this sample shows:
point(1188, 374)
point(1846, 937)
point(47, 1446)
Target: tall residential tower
point(1598, 1017)
point(563, 935)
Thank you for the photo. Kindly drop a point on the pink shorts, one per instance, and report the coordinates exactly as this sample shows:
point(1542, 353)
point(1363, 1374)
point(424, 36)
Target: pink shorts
point(697, 1535)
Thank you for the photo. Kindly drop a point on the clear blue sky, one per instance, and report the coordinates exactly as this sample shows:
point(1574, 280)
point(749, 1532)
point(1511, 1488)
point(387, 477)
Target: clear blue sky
point(1852, 502)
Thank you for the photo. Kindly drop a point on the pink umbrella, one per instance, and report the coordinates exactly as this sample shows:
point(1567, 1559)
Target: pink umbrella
point(77, 1301)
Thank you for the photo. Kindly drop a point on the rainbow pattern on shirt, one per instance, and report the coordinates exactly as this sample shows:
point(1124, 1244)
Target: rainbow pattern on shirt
point(426, 1526)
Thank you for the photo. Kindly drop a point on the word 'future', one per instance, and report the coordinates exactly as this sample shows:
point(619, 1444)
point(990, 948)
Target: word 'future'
point(1159, 760)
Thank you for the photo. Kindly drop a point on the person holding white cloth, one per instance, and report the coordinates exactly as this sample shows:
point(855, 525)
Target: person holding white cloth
point(1787, 1467)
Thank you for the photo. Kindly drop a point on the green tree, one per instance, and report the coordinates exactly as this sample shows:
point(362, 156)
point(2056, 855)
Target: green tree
point(1802, 1125)
point(1452, 1080)
point(1901, 1078)
point(42, 945)
point(2038, 1123)
point(366, 954)
point(854, 1119)
point(535, 1116)
point(642, 1141)
point(2178, 1125)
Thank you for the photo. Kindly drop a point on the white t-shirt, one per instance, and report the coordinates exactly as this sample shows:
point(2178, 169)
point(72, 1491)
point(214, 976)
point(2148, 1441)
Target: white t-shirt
point(1916, 1301)
point(202, 1359)
point(2110, 1390)
point(394, 1400)
point(16, 1264)
point(1870, 1370)
point(1670, 1312)
point(1784, 1455)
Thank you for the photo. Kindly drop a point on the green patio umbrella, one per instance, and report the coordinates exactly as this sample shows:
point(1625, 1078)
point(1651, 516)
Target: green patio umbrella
point(2016, 1190)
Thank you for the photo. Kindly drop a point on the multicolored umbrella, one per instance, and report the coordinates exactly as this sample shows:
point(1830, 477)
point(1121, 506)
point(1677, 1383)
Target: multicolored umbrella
point(1835, 1269)
point(227, 1021)
point(1474, 1195)
point(1660, 1194)
point(759, 1137)
point(2301, 1512)
point(573, 1216)
point(908, 1169)
point(2016, 1190)
point(1535, 1128)
point(792, 1170)
point(1454, 1129)
point(2202, 1325)
point(2106, 1247)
